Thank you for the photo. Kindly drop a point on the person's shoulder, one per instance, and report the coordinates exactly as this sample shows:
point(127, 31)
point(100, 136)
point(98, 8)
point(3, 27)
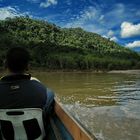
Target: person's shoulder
point(37, 82)
point(35, 79)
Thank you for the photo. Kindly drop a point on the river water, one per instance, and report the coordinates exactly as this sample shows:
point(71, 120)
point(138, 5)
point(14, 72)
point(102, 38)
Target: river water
point(106, 104)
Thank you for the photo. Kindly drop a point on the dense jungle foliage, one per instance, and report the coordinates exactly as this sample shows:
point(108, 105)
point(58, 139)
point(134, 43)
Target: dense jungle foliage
point(53, 47)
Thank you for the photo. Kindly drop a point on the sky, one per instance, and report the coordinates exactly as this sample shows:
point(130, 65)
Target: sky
point(118, 20)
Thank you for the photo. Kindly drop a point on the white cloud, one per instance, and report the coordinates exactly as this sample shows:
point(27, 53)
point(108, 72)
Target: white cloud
point(104, 36)
point(48, 3)
point(114, 38)
point(129, 29)
point(133, 44)
point(110, 33)
point(111, 36)
point(96, 19)
point(101, 17)
point(89, 19)
point(118, 14)
point(8, 12)
point(11, 12)
point(89, 14)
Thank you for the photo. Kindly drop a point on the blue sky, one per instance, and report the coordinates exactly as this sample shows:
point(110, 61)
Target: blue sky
point(118, 20)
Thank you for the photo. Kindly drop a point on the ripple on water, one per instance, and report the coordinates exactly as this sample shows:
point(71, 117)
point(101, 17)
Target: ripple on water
point(105, 122)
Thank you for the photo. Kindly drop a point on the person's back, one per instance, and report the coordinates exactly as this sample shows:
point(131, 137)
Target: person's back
point(17, 90)
point(23, 93)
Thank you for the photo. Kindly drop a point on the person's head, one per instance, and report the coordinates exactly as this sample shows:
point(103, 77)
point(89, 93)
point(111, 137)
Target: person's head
point(17, 60)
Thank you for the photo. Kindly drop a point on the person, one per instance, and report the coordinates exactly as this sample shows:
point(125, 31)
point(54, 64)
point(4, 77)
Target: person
point(18, 89)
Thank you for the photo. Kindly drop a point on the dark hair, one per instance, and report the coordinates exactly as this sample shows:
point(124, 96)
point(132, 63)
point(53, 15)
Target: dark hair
point(17, 59)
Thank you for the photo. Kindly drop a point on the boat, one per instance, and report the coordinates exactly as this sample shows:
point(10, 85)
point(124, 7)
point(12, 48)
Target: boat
point(59, 126)
point(64, 127)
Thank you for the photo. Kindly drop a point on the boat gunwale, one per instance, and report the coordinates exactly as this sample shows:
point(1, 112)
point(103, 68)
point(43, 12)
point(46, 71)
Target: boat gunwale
point(74, 128)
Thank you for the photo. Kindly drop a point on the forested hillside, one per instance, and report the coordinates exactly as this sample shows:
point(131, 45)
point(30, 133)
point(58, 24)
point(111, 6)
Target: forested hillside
point(53, 47)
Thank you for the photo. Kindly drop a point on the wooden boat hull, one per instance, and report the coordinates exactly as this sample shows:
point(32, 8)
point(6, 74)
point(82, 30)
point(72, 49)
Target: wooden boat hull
point(64, 127)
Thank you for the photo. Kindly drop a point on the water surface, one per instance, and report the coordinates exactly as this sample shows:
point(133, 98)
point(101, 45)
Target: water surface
point(108, 105)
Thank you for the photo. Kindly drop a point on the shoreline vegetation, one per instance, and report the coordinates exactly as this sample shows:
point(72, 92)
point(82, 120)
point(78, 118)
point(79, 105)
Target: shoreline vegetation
point(134, 71)
point(66, 49)
point(39, 69)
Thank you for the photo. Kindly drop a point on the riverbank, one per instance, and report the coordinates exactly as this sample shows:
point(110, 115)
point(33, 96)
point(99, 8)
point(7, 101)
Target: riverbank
point(85, 71)
point(41, 69)
point(125, 71)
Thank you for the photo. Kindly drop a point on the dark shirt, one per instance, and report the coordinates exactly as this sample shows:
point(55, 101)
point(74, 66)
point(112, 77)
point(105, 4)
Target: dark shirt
point(18, 91)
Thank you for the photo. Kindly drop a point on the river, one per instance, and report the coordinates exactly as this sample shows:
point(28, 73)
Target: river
point(107, 104)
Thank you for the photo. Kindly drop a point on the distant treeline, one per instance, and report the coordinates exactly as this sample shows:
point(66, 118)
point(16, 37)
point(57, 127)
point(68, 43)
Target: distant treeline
point(53, 47)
